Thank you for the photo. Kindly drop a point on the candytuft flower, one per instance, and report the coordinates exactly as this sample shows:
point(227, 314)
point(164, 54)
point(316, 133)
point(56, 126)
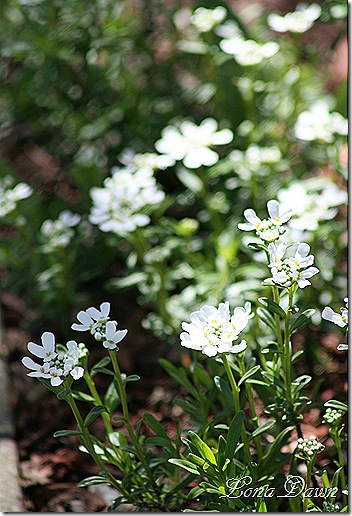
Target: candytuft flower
point(214, 330)
point(10, 195)
point(296, 269)
point(340, 319)
point(270, 229)
point(117, 207)
point(301, 20)
point(57, 364)
point(317, 123)
point(98, 323)
point(189, 143)
point(58, 233)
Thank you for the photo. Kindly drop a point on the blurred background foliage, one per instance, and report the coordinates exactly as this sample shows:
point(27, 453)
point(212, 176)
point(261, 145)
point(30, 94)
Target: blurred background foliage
point(81, 82)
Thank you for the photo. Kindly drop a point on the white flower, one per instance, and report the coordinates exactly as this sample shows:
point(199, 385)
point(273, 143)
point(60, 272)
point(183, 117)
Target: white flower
point(113, 336)
point(267, 229)
point(116, 207)
point(340, 319)
point(58, 233)
point(311, 205)
point(248, 52)
point(300, 20)
point(190, 143)
point(90, 318)
point(296, 269)
point(205, 20)
point(56, 365)
point(276, 253)
point(38, 371)
point(148, 160)
point(213, 330)
point(47, 350)
point(9, 195)
point(318, 124)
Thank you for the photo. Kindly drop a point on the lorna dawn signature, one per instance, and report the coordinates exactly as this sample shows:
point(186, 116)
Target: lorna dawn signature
point(293, 486)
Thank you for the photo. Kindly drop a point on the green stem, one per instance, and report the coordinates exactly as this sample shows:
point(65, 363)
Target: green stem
point(252, 406)
point(90, 447)
point(236, 398)
point(309, 472)
point(337, 442)
point(126, 417)
point(276, 297)
point(287, 349)
point(97, 401)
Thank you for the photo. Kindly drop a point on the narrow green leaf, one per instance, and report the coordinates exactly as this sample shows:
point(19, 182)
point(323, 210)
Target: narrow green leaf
point(234, 434)
point(155, 426)
point(188, 466)
point(132, 378)
point(62, 394)
point(302, 319)
point(179, 375)
point(202, 447)
point(272, 307)
point(66, 433)
point(224, 389)
point(103, 370)
point(111, 398)
point(91, 481)
point(338, 405)
point(267, 318)
point(82, 396)
point(190, 180)
point(94, 413)
point(263, 428)
point(248, 374)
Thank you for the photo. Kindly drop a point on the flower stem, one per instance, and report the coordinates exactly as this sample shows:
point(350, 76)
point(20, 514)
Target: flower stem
point(276, 297)
point(97, 401)
point(236, 398)
point(252, 406)
point(287, 349)
point(90, 447)
point(336, 439)
point(126, 417)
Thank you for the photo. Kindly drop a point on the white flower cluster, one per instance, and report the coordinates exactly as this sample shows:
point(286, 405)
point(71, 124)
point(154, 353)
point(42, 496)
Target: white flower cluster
point(57, 364)
point(10, 195)
point(246, 52)
point(205, 20)
point(117, 206)
point(311, 205)
point(310, 446)
point(98, 324)
point(332, 416)
point(214, 330)
point(148, 160)
point(189, 143)
point(317, 123)
point(59, 233)
point(301, 20)
point(254, 160)
point(296, 269)
point(270, 229)
point(340, 319)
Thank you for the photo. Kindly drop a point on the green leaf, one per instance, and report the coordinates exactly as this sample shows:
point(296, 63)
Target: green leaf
point(111, 398)
point(234, 434)
point(62, 394)
point(335, 478)
point(224, 389)
point(302, 319)
point(263, 428)
point(190, 180)
point(338, 405)
point(272, 307)
point(103, 370)
point(82, 396)
point(179, 375)
point(202, 447)
point(248, 374)
point(101, 363)
point(94, 413)
point(185, 464)
point(268, 461)
point(128, 281)
point(265, 316)
point(132, 378)
point(300, 382)
point(66, 433)
point(154, 424)
point(91, 481)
